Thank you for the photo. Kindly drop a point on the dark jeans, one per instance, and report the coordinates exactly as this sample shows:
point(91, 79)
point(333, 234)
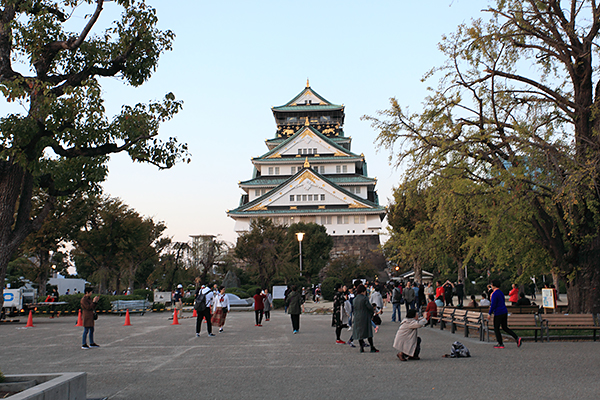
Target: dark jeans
point(258, 314)
point(267, 314)
point(418, 348)
point(295, 321)
point(502, 321)
point(396, 308)
point(206, 315)
point(87, 331)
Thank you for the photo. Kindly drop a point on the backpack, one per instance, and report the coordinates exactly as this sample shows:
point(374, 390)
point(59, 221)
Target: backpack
point(200, 302)
point(459, 350)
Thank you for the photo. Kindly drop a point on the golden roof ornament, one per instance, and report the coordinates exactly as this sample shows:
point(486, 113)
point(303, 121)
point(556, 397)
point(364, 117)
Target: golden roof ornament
point(306, 163)
point(307, 84)
point(307, 123)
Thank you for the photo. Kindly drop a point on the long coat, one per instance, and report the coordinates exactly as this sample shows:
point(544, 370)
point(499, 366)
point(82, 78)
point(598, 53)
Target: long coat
point(340, 316)
point(361, 321)
point(406, 337)
point(294, 302)
point(87, 311)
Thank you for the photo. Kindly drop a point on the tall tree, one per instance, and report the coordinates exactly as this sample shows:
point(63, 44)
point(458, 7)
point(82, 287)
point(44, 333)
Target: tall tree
point(60, 144)
point(316, 246)
point(518, 109)
point(265, 250)
point(45, 244)
point(114, 242)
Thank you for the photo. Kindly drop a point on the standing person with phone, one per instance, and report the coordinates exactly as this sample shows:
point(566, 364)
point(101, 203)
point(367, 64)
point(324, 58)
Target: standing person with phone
point(88, 306)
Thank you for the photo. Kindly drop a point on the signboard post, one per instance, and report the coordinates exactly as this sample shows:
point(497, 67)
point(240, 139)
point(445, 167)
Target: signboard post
point(548, 298)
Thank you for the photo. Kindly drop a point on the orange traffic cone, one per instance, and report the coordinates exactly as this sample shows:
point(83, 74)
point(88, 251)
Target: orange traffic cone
point(79, 319)
point(29, 320)
point(127, 320)
point(175, 320)
point(195, 313)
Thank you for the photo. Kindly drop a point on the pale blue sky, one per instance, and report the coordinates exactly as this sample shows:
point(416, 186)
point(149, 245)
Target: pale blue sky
point(233, 60)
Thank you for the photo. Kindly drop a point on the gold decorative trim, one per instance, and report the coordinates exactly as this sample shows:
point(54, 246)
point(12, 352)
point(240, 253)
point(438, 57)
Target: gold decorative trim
point(276, 155)
point(306, 163)
point(356, 205)
point(321, 207)
point(258, 208)
point(293, 208)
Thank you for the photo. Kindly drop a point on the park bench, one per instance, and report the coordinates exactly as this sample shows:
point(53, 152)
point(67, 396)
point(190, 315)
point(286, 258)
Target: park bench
point(569, 322)
point(121, 306)
point(533, 309)
point(445, 316)
point(520, 322)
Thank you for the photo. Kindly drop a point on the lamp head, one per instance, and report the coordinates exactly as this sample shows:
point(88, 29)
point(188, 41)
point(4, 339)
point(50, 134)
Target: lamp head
point(300, 236)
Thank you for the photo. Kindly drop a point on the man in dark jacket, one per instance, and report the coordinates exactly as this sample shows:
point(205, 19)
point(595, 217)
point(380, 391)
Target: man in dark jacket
point(397, 302)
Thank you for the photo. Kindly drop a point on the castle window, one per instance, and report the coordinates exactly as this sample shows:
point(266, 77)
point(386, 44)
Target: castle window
point(257, 192)
point(322, 197)
point(291, 197)
point(303, 197)
point(276, 170)
point(310, 197)
point(344, 169)
point(270, 170)
point(359, 219)
point(322, 169)
point(293, 170)
point(338, 169)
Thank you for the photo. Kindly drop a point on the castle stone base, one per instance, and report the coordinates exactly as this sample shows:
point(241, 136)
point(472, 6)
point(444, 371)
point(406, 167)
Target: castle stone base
point(365, 247)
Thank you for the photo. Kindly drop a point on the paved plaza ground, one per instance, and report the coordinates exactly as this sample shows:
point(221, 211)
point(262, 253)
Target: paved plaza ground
point(153, 359)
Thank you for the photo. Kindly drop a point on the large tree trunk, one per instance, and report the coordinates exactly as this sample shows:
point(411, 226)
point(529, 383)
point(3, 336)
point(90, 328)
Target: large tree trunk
point(583, 290)
point(11, 181)
point(44, 260)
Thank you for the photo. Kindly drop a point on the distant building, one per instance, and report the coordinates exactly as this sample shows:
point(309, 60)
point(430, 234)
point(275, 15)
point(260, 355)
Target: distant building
point(310, 174)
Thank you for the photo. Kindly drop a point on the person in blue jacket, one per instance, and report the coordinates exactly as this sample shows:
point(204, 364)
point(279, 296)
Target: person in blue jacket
point(498, 308)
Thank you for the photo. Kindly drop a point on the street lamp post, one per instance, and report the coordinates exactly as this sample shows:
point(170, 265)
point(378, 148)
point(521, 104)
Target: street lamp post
point(300, 236)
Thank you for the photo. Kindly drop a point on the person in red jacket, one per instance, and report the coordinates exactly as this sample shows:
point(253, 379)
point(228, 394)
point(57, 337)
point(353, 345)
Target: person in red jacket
point(259, 306)
point(513, 295)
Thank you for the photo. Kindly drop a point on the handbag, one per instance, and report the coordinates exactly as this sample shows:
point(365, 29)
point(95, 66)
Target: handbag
point(95, 315)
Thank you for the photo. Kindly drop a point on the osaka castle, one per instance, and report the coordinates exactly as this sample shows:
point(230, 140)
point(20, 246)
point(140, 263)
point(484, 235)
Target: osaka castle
point(310, 174)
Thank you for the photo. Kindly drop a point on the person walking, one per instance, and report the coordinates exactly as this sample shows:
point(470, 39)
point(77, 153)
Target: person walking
point(203, 303)
point(88, 306)
point(268, 302)
point(500, 312)
point(259, 307)
point(220, 308)
point(294, 304)
point(409, 296)
point(406, 341)
point(339, 318)
point(397, 302)
point(178, 300)
point(361, 324)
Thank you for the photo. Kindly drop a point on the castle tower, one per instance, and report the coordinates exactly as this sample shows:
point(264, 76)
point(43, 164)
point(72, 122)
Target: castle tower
point(310, 174)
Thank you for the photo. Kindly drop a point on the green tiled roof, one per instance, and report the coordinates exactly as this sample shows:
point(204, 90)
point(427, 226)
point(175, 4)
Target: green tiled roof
point(307, 88)
point(325, 138)
point(254, 202)
point(374, 210)
point(269, 181)
point(312, 107)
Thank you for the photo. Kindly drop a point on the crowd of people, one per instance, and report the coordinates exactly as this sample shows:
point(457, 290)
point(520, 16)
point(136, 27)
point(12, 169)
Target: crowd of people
point(357, 308)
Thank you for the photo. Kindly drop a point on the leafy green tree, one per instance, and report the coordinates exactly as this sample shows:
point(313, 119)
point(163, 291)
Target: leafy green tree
point(348, 268)
point(316, 247)
point(114, 242)
point(47, 246)
point(516, 110)
point(62, 141)
point(265, 250)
